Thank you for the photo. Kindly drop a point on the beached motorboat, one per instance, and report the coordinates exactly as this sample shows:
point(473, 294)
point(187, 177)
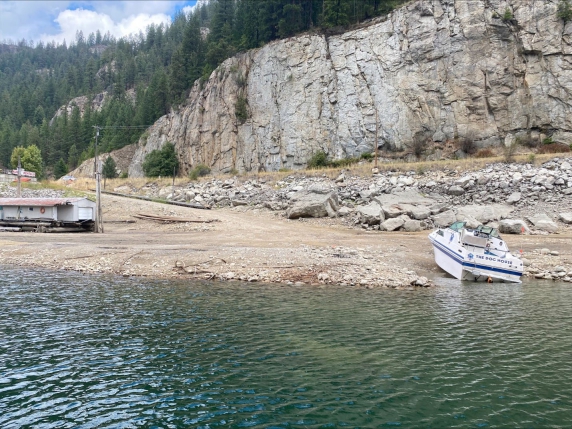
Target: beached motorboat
point(478, 254)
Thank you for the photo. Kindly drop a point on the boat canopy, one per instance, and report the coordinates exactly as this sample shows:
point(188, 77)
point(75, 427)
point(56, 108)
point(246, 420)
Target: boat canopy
point(488, 230)
point(458, 226)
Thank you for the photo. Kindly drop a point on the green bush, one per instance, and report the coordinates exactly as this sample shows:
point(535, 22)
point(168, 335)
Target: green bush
point(507, 16)
point(241, 110)
point(367, 156)
point(548, 140)
point(318, 160)
point(564, 10)
point(124, 175)
point(199, 170)
point(30, 159)
point(161, 162)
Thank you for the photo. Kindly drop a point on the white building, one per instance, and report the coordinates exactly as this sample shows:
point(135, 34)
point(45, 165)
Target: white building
point(47, 209)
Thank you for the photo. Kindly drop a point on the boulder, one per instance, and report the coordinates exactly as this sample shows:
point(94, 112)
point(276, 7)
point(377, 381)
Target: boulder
point(463, 181)
point(445, 219)
point(413, 225)
point(483, 179)
point(456, 190)
point(391, 210)
point(392, 224)
point(542, 222)
point(513, 198)
point(314, 205)
point(485, 213)
point(404, 197)
point(470, 221)
point(420, 212)
point(371, 214)
point(513, 226)
point(565, 217)
point(344, 211)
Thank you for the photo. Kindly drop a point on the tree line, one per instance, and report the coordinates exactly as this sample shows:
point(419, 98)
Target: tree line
point(143, 75)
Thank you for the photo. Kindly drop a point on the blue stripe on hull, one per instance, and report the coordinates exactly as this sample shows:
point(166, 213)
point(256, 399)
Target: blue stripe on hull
point(461, 261)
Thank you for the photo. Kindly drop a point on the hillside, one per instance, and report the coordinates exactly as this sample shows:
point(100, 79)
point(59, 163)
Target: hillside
point(434, 71)
point(52, 95)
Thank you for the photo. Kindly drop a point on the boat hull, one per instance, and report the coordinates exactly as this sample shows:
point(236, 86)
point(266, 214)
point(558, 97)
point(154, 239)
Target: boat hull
point(463, 266)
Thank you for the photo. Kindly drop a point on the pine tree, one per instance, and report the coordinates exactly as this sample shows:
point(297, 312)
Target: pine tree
point(109, 170)
point(60, 169)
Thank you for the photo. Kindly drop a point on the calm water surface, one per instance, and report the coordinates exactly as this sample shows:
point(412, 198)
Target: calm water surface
point(100, 352)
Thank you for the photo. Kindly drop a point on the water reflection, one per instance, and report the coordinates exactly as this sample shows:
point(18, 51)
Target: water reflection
point(82, 351)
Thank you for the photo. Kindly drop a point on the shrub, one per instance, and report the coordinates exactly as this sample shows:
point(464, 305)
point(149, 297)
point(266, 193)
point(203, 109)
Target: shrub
point(161, 162)
point(241, 110)
point(564, 10)
point(342, 162)
point(547, 140)
point(30, 159)
point(553, 148)
point(485, 153)
point(124, 175)
point(531, 158)
point(367, 156)
point(318, 160)
point(199, 170)
point(419, 144)
point(507, 16)
point(467, 145)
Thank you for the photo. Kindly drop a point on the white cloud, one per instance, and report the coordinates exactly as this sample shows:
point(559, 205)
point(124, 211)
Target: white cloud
point(59, 20)
point(71, 21)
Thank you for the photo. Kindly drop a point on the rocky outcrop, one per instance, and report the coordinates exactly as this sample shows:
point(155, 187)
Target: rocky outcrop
point(439, 69)
point(122, 158)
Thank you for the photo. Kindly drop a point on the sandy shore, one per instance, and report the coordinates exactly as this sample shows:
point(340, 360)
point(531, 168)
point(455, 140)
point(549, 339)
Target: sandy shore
point(249, 245)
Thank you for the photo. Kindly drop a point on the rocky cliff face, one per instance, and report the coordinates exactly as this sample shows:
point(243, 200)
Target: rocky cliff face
point(440, 68)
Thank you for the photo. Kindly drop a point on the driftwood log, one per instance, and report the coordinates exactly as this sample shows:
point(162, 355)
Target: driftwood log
point(169, 219)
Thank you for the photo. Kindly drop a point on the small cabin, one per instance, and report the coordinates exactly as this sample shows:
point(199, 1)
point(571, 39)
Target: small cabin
point(48, 212)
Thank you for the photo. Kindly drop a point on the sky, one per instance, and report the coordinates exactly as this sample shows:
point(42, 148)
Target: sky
point(57, 21)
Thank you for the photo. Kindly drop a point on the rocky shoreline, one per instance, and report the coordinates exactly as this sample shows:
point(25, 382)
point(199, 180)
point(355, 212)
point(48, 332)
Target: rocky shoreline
point(533, 202)
point(516, 198)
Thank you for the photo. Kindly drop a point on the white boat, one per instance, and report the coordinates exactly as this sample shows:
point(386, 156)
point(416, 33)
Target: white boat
point(475, 254)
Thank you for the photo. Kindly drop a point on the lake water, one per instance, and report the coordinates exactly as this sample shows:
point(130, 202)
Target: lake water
point(100, 352)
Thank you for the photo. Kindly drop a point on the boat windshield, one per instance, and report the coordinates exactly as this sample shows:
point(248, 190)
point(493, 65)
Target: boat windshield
point(457, 226)
point(493, 232)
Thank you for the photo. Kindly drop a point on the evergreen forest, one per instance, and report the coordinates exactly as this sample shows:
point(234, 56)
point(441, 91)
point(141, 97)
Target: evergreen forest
point(143, 76)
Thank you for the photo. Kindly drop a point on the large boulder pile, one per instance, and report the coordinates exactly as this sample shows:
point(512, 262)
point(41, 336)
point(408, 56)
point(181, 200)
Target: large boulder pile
point(515, 197)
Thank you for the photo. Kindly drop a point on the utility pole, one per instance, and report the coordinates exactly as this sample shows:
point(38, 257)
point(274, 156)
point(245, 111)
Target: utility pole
point(97, 170)
point(19, 171)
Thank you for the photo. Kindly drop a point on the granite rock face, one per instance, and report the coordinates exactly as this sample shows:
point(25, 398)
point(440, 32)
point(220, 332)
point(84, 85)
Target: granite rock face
point(437, 68)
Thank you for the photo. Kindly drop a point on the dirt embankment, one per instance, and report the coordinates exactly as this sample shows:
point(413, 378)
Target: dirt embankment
point(250, 245)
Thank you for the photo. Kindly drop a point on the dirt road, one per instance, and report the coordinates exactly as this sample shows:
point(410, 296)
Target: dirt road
point(245, 244)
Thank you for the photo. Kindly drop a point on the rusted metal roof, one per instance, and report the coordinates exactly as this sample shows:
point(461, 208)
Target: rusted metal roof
point(38, 202)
